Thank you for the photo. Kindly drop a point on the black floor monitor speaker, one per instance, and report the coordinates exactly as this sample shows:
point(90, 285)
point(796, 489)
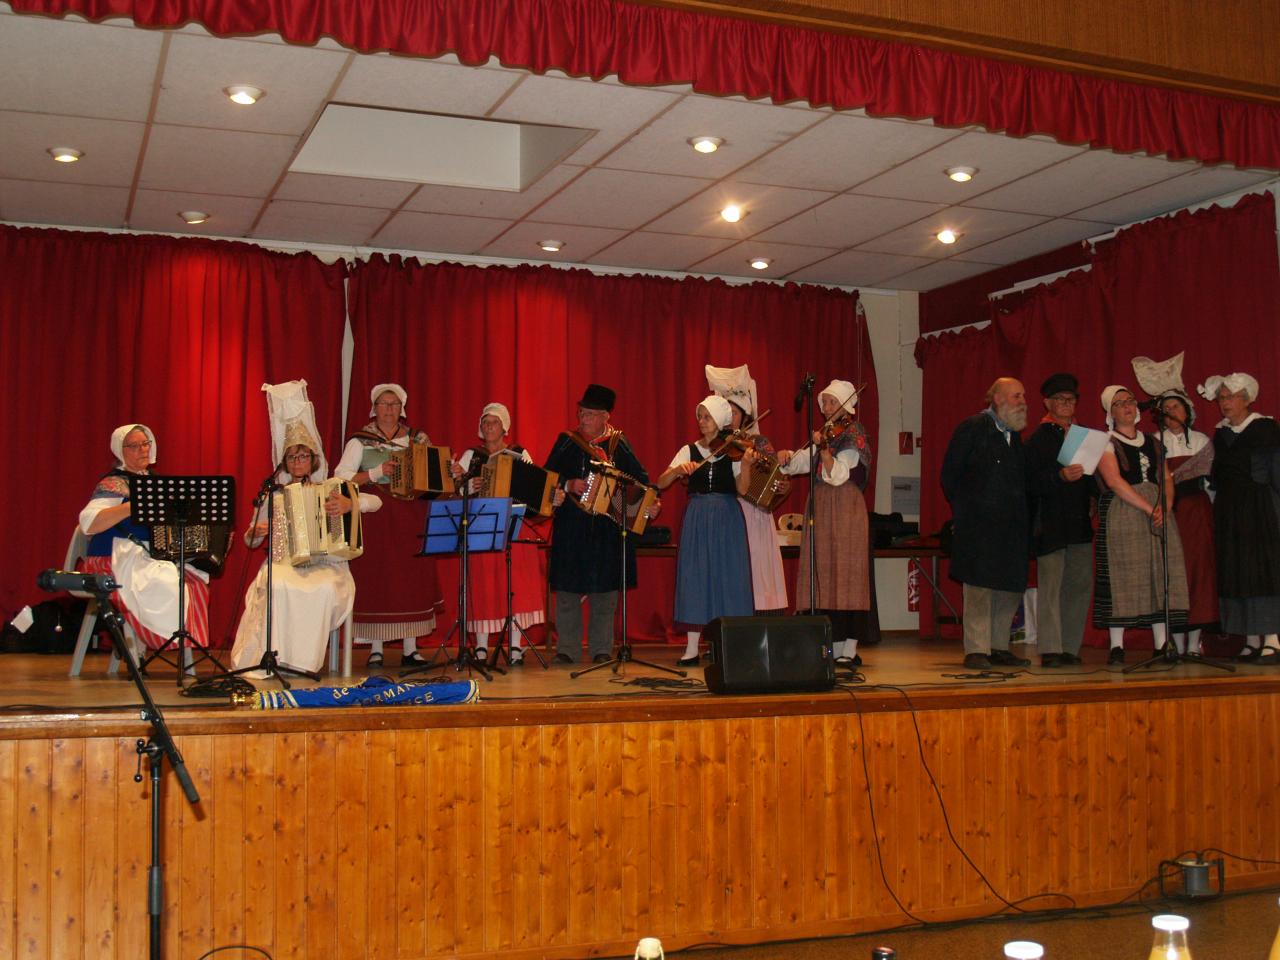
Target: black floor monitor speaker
point(769, 654)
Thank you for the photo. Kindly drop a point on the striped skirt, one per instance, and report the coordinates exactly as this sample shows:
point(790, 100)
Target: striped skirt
point(1128, 571)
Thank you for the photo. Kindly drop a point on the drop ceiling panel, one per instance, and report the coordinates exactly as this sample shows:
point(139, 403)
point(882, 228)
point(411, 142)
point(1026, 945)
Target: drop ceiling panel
point(430, 86)
point(616, 111)
point(659, 251)
point(975, 227)
point(295, 79)
point(159, 209)
point(438, 232)
point(855, 268)
point(580, 243)
point(110, 148)
point(748, 129)
point(764, 207)
point(491, 203)
point(353, 191)
point(214, 161)
point(843, 151)
point(53, 66)
point(998, 160)
point(72, 204)
point(325, 222)
point(784, 258)
point(936, 275)
point(1078, 183)
point(1035, 240)
point(1203, 183)
point(617, 198)
point(848, 220)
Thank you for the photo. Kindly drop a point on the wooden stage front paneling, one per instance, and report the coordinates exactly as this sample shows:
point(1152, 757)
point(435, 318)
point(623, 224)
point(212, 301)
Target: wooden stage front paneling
point(573, 828)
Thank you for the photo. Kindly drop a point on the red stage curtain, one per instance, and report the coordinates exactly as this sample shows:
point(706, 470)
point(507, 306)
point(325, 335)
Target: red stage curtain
point(1206, 282)
point(178, 334)
point(720, 55)
point(458, 337)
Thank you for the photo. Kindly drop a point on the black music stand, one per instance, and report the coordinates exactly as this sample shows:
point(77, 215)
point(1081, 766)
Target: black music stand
point(623, 654)
point(463, 526)
point(180, 502)
point(503, 647)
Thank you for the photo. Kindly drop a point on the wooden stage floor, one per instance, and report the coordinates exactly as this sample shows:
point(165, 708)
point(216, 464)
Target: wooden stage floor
point(567, 818)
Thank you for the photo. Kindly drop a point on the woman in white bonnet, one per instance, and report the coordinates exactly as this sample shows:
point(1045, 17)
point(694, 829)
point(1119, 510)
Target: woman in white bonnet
point(1246, 517)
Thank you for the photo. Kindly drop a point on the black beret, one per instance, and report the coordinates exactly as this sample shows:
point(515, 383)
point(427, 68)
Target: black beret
point(596, 397)
point(1060, 383)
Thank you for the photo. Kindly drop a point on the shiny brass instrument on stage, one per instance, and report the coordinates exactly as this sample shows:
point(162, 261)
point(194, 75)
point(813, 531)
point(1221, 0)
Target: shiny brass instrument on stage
point(420, 469)
point(509, 476)
point(310, 533)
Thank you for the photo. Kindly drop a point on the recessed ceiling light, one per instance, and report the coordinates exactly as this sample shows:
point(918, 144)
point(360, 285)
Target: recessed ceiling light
point(947, 236)
point(65, 154)
point(706, 144)
point(961, 174)
point(732, 213)
point(194, 216)
point(759, 263)
point(551, 246)
point(244, 94)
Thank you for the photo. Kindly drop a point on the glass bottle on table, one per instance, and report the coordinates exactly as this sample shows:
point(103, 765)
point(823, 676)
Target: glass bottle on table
point(1170, 942)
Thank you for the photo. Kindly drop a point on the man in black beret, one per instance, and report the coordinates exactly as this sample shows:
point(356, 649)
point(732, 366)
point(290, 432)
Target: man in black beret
point(1061, 531)
point(585, 557)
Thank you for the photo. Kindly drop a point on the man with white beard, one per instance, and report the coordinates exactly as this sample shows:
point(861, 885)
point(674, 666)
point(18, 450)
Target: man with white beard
point(984, 479)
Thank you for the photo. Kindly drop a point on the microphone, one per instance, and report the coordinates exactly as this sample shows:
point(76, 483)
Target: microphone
point(56, 581)
point(805, 386)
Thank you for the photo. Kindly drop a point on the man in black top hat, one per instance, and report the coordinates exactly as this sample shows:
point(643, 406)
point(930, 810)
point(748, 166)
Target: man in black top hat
point(1061, 531)
point(585, 555)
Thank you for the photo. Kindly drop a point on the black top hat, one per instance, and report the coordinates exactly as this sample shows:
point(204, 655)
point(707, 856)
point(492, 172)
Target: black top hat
point(1060, 383)
point(596, 397)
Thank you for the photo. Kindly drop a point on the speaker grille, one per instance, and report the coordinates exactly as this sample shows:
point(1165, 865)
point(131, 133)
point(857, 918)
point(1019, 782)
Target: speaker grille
point(769, 654)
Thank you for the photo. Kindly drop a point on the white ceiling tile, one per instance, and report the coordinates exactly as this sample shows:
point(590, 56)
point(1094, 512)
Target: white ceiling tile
point(615, 110)
point(1202, 183)
point(617, 198)
point(764, 207)
point(843, 150)
point(214, 161)
point(491, 203)
point(997, 159)
point(73, 204)
point(438, 231)
point(848, 220)
point(975, 228)
point(748, 129)
point(937, 274)
point(83, 70)
point(1033, 241)
point(784, 257)
point(580, 243)
point(320, 222)
point(659, 251)
point(159, 209)
point(110, 148)
point(428, 86)
point(296, 80)
point(1078, 183)
point(855, 268)
point(318, 188)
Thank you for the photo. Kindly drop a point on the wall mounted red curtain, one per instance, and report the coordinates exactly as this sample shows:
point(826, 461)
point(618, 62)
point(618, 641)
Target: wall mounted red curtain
point(721, 55)
point(458, 337)
point(1206, 282)
point(100, 330)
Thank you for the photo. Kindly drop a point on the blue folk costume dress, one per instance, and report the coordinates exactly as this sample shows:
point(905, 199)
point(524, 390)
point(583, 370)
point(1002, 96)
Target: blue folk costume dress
point(713, 566)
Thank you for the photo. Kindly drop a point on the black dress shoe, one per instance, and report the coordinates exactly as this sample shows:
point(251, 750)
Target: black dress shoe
point(1116, 656)
point(976, 661)
point(1249, 654)
point(1268, 658)
point(1003, 658)
point(688, 661)
point(1069, 659)
point(412, 660)
point(516, 658)
point(562, 658)
point(1050, 660)
point(375, 660)
point(601, 658)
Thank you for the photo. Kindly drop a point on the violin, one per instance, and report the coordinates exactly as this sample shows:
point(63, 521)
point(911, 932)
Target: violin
point(732, 444)
point(835, 427)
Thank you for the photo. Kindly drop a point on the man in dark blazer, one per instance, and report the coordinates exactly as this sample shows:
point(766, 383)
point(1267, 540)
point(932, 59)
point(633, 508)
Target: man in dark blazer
point(984, 478)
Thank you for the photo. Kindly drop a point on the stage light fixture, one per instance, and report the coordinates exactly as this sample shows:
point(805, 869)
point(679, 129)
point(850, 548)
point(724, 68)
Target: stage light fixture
point(551, 246)
point(961, 174)
point(759, 263)
point(706, 144)
point(194, 216)
point(732, 213)
point(947, 236)
point(65, 154)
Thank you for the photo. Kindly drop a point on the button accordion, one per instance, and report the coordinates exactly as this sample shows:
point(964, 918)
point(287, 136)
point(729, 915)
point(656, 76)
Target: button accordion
point(767, 483)
point(310, 533)
point(604, 497)
point(509, 476)
point(206, 546)
point(420, 469)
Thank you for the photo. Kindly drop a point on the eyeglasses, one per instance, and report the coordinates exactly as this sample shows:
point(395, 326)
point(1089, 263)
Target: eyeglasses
point(1125, 402)
point(388, 403)
point(1063, 398)
point(298, 457)
point(140, 445)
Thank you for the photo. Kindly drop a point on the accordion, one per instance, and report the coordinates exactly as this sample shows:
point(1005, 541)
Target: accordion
point(604, 497)
point(310, 533)
point(420, 469)
point(767, 480)
point(508, 476)
point(206, 546)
